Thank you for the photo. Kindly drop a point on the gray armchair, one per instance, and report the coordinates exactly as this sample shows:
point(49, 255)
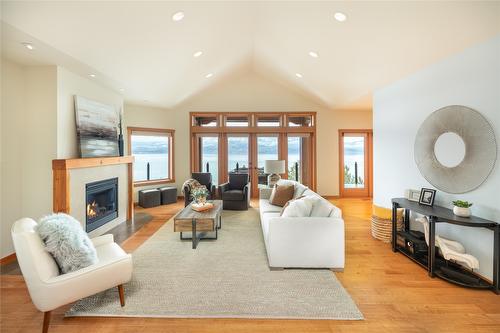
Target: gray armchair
point(204, 178)
point(235, 194)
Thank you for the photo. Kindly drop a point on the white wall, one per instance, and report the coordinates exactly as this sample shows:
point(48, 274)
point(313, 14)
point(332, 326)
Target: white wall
point(471, 78)
point(12, 138)
point(70, 84)
point(249, 92)
point(28, 144)
point(38, 125)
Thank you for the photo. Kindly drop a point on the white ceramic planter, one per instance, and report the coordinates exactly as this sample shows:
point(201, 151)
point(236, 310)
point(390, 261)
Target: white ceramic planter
point(461, 211)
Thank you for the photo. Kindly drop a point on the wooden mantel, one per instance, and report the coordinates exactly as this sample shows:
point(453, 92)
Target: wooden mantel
point(60, 173)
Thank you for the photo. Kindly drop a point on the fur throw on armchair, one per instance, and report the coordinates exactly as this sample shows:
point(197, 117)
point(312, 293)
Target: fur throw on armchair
point(191, 184)
point(67, 242)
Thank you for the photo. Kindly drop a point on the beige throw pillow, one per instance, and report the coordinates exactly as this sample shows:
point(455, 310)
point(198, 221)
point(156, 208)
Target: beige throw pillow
point(281, 195)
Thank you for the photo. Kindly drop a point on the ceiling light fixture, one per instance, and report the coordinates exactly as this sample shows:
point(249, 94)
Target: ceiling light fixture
point(341, 17)
point(298, 75)
point(313, 54)
point(122, 90)
point(178, 16)
point(92, 75)
point(209, 75)
point(29, 46)
point(197, 54)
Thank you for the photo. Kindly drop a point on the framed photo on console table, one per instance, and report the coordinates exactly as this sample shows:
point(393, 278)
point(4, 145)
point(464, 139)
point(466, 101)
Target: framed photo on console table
point(427, 196)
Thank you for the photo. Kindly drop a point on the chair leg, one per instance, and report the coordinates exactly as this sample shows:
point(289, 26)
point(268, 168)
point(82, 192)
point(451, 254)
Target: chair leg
point(46, 321)
point(122, 295)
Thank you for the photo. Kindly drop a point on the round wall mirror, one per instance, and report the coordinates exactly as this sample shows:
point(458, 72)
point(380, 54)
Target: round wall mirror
point(455, 149)
point(449, 149)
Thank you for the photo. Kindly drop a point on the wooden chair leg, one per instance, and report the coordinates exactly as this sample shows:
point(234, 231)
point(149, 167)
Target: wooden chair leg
point(122, 295)
point(46, 321)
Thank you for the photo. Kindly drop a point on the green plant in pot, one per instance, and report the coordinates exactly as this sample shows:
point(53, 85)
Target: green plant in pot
point(462, 208)
point(200, 194)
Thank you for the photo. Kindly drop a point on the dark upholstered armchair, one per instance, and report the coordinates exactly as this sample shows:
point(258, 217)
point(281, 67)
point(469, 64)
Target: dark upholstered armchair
point(204, 178)
point(235, 194)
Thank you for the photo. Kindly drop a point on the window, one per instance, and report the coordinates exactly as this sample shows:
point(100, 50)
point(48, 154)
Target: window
point(296, 121)
point(205, 121)
point(236, 121)
point(153, 152)
point(269, 121)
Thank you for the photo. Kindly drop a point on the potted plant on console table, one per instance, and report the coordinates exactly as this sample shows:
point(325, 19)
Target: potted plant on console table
point(462, 208)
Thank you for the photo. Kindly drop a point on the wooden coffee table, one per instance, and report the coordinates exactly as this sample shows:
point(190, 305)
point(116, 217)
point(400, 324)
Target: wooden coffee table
point(199, 223)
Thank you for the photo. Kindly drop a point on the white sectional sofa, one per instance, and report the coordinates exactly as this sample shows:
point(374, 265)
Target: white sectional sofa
point(302, 242)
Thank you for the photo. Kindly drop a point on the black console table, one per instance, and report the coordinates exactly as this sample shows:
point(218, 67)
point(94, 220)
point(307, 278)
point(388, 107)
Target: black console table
point(435, 264)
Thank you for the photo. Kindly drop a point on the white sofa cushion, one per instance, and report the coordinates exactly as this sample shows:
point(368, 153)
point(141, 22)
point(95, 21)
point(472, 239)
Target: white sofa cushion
point(321, 207)
point(265, 206)
point(298, 208)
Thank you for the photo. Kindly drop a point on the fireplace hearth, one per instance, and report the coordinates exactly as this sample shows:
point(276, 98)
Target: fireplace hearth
point(101, 203)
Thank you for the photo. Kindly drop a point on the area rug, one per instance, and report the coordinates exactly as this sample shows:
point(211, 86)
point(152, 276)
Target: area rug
point(225, 278)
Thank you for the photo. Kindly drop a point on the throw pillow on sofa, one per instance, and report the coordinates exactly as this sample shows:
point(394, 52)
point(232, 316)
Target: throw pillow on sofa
point(67, 242)
point(298, 207)
point(299, 188)
point(281, 195)
point(321, 207)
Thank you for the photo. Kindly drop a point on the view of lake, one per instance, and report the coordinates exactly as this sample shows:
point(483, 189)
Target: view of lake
point(154, 150)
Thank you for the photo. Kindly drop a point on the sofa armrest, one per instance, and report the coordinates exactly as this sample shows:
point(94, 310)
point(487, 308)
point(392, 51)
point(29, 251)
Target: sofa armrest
point(102, 240)
point(306, 242)
point(265, 193)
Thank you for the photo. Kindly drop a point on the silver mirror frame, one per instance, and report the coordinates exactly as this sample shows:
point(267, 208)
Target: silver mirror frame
point(480, 149)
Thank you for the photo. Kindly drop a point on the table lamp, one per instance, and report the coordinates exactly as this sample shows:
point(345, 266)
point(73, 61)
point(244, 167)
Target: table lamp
point(274, 168)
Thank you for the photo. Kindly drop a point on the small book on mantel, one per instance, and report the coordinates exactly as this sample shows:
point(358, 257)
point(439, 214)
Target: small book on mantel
point(202, 207)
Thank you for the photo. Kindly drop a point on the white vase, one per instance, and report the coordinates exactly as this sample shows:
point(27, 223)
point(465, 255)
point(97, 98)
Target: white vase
point(461, 211)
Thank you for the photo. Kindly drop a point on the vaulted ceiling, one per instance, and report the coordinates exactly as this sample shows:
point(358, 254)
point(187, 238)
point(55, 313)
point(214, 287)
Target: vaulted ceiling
point(137, 47)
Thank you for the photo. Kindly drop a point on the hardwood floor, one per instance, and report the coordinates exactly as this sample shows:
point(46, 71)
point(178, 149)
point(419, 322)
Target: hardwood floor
point(394, 294)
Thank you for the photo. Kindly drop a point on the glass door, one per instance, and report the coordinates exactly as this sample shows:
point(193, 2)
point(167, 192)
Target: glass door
point(238, 152)
point(209, 155)
point(299, 160)
point(267, 148)
point(355, 163)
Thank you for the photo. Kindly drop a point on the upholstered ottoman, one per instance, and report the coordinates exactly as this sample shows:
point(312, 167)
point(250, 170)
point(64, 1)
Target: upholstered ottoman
point(149, 198)
point(168, 194)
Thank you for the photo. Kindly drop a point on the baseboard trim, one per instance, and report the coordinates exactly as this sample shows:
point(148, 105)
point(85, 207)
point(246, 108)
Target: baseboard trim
point(331, 197)
point(8, 259)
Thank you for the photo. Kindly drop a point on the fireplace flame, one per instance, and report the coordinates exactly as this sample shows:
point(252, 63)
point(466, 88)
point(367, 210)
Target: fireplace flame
point(92, 209)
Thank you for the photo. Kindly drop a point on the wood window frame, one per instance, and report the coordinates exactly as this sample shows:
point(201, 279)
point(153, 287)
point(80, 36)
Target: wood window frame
point(223, 131)
point(368, 161)
point(171, 153)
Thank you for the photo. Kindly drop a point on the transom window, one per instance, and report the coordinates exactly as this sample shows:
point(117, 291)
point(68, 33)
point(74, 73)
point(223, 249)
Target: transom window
point(153, 152)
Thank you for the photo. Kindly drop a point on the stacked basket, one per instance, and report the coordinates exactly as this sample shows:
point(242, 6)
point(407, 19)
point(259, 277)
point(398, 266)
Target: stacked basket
point(382, 223)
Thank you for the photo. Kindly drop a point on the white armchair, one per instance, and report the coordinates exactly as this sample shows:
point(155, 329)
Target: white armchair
point(48, 289)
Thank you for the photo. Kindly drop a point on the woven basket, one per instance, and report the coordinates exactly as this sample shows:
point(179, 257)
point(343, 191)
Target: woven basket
point(382, 223)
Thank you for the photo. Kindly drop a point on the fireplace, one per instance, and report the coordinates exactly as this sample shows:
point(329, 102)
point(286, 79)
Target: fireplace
point(101, 203)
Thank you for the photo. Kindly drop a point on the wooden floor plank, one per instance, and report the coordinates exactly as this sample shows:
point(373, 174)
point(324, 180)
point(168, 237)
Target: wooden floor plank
point(394, 294)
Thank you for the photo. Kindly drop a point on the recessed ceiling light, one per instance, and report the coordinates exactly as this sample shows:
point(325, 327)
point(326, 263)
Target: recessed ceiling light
point(29, 46)
point(298, 75)
point(197, 54)
point(178, 16)
point(92, 75)
point(209, 75)
point(341, 17)
point(122, 90)
point(313, 54)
